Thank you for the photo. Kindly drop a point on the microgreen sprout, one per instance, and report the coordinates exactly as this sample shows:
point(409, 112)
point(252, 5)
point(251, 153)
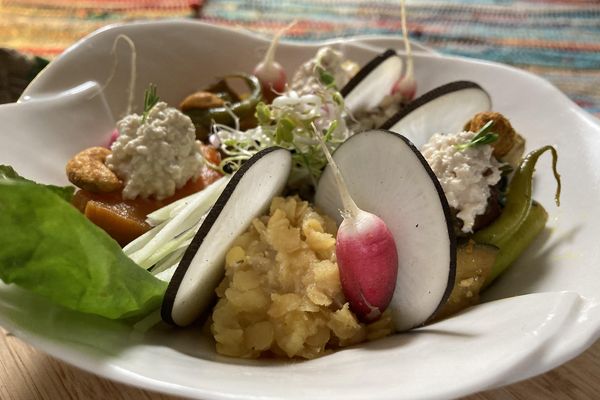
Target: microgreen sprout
point(483, 136)
point(150, 100)
point(329, 132)
point(263, 114)
point(325, 77)
point(287, 122)
point(284, 130)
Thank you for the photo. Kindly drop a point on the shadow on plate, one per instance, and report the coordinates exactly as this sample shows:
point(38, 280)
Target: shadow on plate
point(24, 314)
point(524, 275)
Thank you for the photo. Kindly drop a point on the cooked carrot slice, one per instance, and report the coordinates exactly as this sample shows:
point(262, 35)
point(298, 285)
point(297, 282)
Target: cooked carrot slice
point(210, 153)
point(120, 220)
point(125, 220)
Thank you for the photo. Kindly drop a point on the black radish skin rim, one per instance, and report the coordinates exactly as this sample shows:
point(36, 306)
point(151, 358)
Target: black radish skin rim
point(370, 86)
point(449, 226)
point(169, 301)
point(365, 71)
point(448, 254)
point(430, 96)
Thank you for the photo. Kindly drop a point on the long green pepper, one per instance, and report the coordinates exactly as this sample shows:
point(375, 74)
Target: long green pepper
point(520, 241)
point(518, 201)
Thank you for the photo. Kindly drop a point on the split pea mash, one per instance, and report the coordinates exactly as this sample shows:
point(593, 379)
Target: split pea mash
point(281, 294)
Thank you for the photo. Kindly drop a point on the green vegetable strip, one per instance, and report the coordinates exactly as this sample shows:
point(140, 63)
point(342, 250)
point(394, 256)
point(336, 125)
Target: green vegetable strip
point(51, 249)
point(518, 201)
point(534, 223)
point(187, 217)
point(143, 240)
point(182, 240)
point(170, 261)
point(169, 211)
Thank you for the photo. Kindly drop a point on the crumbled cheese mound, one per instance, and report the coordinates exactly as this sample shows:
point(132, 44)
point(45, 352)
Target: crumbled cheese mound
point(465, 176)
point(158, 156)
point(306, 81)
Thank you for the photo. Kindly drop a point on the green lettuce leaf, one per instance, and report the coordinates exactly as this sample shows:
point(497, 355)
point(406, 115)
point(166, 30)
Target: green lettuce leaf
point(8, 173)
point(50, 248)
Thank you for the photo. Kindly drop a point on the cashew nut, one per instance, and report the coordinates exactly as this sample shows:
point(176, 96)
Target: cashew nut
point(201, 100)
point(502, 127)
point(88, 171)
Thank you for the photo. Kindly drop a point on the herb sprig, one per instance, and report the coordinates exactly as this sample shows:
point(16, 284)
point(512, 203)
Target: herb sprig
point(483, 136)
point(150, 100)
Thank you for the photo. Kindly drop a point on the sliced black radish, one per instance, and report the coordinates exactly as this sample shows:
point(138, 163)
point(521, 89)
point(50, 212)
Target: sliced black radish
point(246, 196)
point(444, 109)
point(387, 176)
point(372, 82)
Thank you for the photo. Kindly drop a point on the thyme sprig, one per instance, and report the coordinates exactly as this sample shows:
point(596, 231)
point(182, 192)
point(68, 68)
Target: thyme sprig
point(150, 100)
point(483, 136)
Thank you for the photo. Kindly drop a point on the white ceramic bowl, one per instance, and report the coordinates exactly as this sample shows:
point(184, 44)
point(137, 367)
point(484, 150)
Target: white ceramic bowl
point(539, 314)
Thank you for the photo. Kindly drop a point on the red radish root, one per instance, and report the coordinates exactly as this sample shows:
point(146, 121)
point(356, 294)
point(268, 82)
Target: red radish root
point(269, 72)
point(366, 254)
point(368, 261)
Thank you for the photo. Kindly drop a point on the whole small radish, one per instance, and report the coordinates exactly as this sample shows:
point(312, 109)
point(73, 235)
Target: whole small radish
point(406, 85)
point(269, 72)
point(113, 137)
point(366, 253)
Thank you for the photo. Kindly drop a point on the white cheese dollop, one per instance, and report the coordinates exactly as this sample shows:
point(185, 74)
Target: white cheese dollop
point(465, 175)
point(158, 156)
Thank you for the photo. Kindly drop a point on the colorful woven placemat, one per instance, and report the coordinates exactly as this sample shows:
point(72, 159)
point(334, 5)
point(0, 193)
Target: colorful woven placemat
point(559, 40)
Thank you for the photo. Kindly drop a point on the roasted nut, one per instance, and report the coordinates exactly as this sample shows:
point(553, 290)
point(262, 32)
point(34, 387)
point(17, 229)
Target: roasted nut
point(502, 126)
point(87, 171)
point(201, 100)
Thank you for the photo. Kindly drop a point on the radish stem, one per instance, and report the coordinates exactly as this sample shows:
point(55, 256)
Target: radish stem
point(351, 210)
point(133, 69)
point(406, 85)
point(269, 72)
point(407, 45)
point(270, 55)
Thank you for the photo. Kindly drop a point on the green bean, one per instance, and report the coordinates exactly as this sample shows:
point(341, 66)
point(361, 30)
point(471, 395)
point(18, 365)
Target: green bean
point(518, 201)
point(511, 250)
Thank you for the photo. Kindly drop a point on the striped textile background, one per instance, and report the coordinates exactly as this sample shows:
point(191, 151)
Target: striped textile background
point(557, 39)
